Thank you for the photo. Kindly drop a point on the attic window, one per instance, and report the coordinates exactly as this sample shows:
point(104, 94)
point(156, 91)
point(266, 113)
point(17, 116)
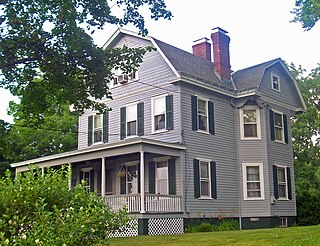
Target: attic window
point(275, 82)
point(120, 78)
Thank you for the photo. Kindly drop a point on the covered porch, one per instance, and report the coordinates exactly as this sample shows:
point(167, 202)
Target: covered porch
point(140, 174)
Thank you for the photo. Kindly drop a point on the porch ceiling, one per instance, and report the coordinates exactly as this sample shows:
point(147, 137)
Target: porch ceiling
point(128, 146)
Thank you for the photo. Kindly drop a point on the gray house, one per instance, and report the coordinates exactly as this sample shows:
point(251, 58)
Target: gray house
point(189, 139)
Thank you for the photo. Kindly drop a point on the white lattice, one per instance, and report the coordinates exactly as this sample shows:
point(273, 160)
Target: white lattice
point(130, 230)
point(165, 226)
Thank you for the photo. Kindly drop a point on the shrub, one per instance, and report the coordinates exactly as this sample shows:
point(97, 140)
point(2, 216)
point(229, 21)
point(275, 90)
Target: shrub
point(36, 209)
point(224, 225)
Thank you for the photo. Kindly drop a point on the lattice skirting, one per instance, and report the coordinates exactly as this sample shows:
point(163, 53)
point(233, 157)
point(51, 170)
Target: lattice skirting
point(130, 230)
point(165, 226)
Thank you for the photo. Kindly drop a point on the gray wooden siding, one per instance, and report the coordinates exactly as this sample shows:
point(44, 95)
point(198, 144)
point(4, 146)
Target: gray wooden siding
point(282, 154)
point(288, 93)
point(220, 148)
point(254, 151)
point(153, 72)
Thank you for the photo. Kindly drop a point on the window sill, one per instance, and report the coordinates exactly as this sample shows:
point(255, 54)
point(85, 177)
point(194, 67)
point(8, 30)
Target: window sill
point(251, 139)
point(282, 199)
point(159, 131)
point(279, 91)
point(131, 136)
point(203, 132)
point(280, 142)
point(254, 199)
point(205, 198)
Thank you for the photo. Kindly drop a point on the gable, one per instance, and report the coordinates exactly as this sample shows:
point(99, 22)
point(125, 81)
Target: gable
point(287, 94)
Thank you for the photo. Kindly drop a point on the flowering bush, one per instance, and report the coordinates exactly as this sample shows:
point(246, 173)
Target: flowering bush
point(42, 210)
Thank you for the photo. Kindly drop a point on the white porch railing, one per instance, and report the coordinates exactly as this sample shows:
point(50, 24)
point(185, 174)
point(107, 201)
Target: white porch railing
point(153, 203)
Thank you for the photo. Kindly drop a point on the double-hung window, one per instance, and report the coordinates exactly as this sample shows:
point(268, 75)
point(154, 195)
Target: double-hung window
point(278, 127)
point(202, 112)
point(275, 82)
point(98, 127)
point(250, 122)
point(253, 181)
point(162, 113)
point(205, 181)
point(282, 182)
point(132, 179)
point(132, 120)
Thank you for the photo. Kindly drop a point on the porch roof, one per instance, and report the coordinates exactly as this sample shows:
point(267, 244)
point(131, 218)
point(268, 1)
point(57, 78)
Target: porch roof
point(127, 146)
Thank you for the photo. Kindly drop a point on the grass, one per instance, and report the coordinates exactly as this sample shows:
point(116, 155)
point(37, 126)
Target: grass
point(292, 236)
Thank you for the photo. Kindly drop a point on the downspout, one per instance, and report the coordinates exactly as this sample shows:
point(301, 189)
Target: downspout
point(239, 166)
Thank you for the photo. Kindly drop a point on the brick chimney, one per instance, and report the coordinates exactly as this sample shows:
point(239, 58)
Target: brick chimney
point(202, 48)
point(221, 57)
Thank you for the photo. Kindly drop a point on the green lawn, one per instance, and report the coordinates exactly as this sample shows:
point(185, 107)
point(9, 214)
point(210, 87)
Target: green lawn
point(293, 236)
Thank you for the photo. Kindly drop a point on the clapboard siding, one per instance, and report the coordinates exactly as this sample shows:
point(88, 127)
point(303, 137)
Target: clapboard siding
point(280, 153)
point(220, 148)
point(254, 151)
point(288, 93)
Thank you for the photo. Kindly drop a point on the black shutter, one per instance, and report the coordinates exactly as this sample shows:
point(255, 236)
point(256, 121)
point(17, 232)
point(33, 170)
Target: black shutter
point(213, 170)
point(194, 112)
point(105, 129)
point(289, 183)
point(172, 176)
point(152, 177)
point(140, 118)
point(123, 185)
point(169, 112)
point(138, 174)
point(196, 178)
point(211, 117)
point(285, 128)
point(123, 123)
point(271, 116)
point(81, 177)
point(91, 184)
point(275, 181)
point(90, 129)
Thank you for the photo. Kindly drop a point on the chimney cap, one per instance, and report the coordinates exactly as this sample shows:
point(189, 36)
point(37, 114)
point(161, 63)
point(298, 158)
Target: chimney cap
point(201, 40)
point(218, 29)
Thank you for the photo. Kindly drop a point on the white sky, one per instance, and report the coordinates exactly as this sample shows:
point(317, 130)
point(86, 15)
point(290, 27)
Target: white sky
point(259, 31)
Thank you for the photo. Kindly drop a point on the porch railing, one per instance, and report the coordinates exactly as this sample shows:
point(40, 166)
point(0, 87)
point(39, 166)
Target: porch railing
point(153, 203)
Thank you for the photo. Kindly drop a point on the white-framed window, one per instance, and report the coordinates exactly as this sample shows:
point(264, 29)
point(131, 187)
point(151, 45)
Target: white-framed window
point(86, 175)
point(275, 82)
point(205, 179)
point(278, 127)
point(253, 187)
point(120, 78)
point(283, 222)
point(282, 182)
point(97, 128)
point(250, 123)
point(162, 180)
point(203, 115)
point(131, 119)
point(132, 179)
point(159, 113)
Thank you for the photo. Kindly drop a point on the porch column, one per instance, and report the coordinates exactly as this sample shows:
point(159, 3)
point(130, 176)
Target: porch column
point(42, 171)
point(70, 177)
point(143, 209)
point(103, 176)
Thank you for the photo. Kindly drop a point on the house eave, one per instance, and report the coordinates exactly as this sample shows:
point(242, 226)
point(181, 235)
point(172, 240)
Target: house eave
point(100, 151)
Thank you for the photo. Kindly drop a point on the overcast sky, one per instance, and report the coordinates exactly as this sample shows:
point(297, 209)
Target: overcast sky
point(259, 31)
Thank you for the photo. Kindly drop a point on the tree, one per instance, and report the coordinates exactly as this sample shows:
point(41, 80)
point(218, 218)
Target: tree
point(307, 12)
point(4, 131)
point(55, 133)
point(306, 147)
point(41, 209)
point(51, 40)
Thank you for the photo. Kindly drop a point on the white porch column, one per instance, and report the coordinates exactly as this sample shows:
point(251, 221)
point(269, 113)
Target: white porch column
point(70, 177)
point(103, 176)
point(42, 171)
point(143, 209)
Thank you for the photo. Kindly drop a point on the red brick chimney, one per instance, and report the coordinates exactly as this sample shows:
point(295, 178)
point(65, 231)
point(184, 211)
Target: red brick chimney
point(221, 57)
point(202, 48)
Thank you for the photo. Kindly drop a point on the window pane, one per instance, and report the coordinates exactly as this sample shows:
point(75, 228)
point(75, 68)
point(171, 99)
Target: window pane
point(253, 193)
point(249, 116)
point(253, 186)
point(253, 174)
point(159, 105)
point(162, 186)
point(279, 134)
point(282, 191)
point(278, 119)
point(159, 122)
point(204, 170)
point(131, 112)
point(205, 188)
point(162, 177)
point(97, 121)
point(202, 122)
point(97, 135)
point(132, 128)
point(132, 179)
point(202, 107)
point(281, 175)
point(250, 130)
point(275, 83)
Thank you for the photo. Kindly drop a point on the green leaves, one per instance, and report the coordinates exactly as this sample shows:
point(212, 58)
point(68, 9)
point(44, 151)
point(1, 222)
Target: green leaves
point(51, 40)
point(307, 12)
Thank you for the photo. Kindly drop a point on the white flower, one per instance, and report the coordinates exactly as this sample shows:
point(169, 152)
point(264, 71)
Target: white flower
point(24, 236)
point(37, 241)
point(7, 241)
point(82, 226)
point(81, 208)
